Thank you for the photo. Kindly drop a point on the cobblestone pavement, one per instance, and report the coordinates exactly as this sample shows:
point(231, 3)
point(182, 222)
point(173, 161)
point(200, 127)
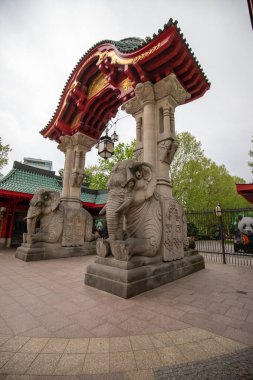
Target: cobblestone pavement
point(236, 366)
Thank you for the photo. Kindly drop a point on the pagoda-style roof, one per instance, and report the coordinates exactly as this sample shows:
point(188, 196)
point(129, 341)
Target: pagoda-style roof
point(24, 180)
point(246, 191)
point(106, 76)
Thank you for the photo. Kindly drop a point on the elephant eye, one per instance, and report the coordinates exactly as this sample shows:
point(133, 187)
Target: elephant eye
point(138, 174)
point(39, 204)
point(46, 197)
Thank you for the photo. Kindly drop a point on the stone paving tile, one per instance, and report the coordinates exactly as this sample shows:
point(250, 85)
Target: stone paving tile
point(117, 344)
point(20, 377)
point(122, 361)
point(73, 331)
point(141, 342)
point(107, 330)
point(44, 364)
point(14, 344)
point(147, 359)
point(4, 357)
point(34, 345)
point(171, 355)
point(55, 346)
point(134, 325)
point(77, 346)
point(18, 363)
point(70, 364)
point(96, 363)
point(192, 351)
point(4, 338)
point(98, 345)
point(161, 340)
point(168, 323)
point(146, 374)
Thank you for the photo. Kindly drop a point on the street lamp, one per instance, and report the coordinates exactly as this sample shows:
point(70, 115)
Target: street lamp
point(105, 147)
point(218, 213)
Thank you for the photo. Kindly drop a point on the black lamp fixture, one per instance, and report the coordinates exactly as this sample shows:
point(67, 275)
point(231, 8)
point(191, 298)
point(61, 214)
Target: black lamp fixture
point(105, 146)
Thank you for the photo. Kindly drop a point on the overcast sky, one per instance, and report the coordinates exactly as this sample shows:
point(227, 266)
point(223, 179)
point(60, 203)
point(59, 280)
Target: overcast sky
point(42, 40)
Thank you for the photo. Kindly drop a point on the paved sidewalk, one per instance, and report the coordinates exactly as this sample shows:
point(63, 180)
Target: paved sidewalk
point(51, 324)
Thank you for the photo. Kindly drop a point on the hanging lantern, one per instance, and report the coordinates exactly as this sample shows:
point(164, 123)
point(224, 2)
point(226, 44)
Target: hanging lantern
point(114, 137)
point(105, 147)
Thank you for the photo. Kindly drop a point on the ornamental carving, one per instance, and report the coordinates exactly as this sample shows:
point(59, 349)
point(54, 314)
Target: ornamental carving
point(170, 86)
point(138, 154)
point(132, 106)
point(144, 92)
point(98, 83)
point(167, 149)
point(174, 230)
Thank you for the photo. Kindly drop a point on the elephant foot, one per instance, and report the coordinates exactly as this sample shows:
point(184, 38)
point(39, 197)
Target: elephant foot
point(120, 250)
point(103, 248)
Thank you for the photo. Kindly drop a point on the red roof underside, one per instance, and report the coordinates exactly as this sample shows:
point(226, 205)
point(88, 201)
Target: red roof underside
point(78, 111)
point(246, 191)
point(24, 196)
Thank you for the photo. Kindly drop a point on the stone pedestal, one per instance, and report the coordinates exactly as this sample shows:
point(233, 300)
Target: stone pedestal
point(140, 274)
point(28, 252)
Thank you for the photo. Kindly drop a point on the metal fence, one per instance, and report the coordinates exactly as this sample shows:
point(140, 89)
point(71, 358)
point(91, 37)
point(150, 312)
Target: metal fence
point(217, 237)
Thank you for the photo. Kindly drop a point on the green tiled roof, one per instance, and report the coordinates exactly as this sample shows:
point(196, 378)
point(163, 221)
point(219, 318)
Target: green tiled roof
point(23, 181)
point(101, 198)
point(27, 180)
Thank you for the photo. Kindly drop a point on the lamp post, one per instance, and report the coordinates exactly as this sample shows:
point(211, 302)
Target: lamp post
point(218, 213)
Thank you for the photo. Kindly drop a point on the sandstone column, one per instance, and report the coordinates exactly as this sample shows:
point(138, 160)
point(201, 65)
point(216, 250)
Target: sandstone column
point(75, 148)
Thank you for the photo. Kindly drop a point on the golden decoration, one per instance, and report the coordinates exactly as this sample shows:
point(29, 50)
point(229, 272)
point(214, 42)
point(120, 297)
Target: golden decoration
point(99, 82)
point(126, 84)
point(115, 59)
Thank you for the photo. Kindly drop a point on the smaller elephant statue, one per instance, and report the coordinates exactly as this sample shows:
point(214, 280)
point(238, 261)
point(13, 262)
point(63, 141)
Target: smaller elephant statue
point(48, 221)
point(136, 215)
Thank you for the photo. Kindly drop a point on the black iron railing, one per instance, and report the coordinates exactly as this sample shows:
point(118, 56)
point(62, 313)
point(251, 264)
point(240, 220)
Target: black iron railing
point(218, 238)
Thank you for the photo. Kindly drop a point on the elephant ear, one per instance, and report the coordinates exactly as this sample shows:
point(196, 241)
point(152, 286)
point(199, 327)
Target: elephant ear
point(54, 197)
point(150, 179)
point(145, 180)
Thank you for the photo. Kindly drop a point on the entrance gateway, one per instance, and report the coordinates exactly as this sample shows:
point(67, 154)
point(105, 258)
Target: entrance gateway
point(149, 79)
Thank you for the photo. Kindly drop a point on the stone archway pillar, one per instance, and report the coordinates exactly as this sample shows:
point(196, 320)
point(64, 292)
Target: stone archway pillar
point(153, 108)
point(75, 148)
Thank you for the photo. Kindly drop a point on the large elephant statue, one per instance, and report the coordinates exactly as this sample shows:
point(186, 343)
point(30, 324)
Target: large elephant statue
point(135, 214)
point(47, 220)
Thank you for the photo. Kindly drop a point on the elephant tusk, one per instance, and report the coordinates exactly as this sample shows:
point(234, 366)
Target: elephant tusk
point(103, 211)
point(124, 205)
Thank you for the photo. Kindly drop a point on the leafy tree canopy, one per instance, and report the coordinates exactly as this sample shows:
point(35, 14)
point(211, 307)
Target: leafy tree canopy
point(4, 150)
point(198, 182)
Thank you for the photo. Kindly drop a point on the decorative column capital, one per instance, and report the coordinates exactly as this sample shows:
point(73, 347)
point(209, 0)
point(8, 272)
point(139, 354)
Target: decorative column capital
point(69, 142)
point(66, 142)
point(171, 87)
point(132, 106)
point(145, 92)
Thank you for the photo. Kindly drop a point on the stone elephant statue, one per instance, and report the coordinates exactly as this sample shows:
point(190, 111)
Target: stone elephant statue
point(133, 212)
point(140, 220)
point(47, 217)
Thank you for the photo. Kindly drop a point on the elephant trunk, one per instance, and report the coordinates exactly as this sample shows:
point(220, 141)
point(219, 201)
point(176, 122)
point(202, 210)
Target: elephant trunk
point(114, 217)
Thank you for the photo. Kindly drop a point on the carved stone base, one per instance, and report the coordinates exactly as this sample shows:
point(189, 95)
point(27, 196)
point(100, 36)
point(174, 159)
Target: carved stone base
point(28, 252)
point(127, 279)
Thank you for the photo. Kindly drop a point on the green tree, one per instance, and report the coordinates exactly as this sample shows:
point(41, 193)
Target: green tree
point(198, 182)
point(4, 150)
point(250, 163)
point(98, 175)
